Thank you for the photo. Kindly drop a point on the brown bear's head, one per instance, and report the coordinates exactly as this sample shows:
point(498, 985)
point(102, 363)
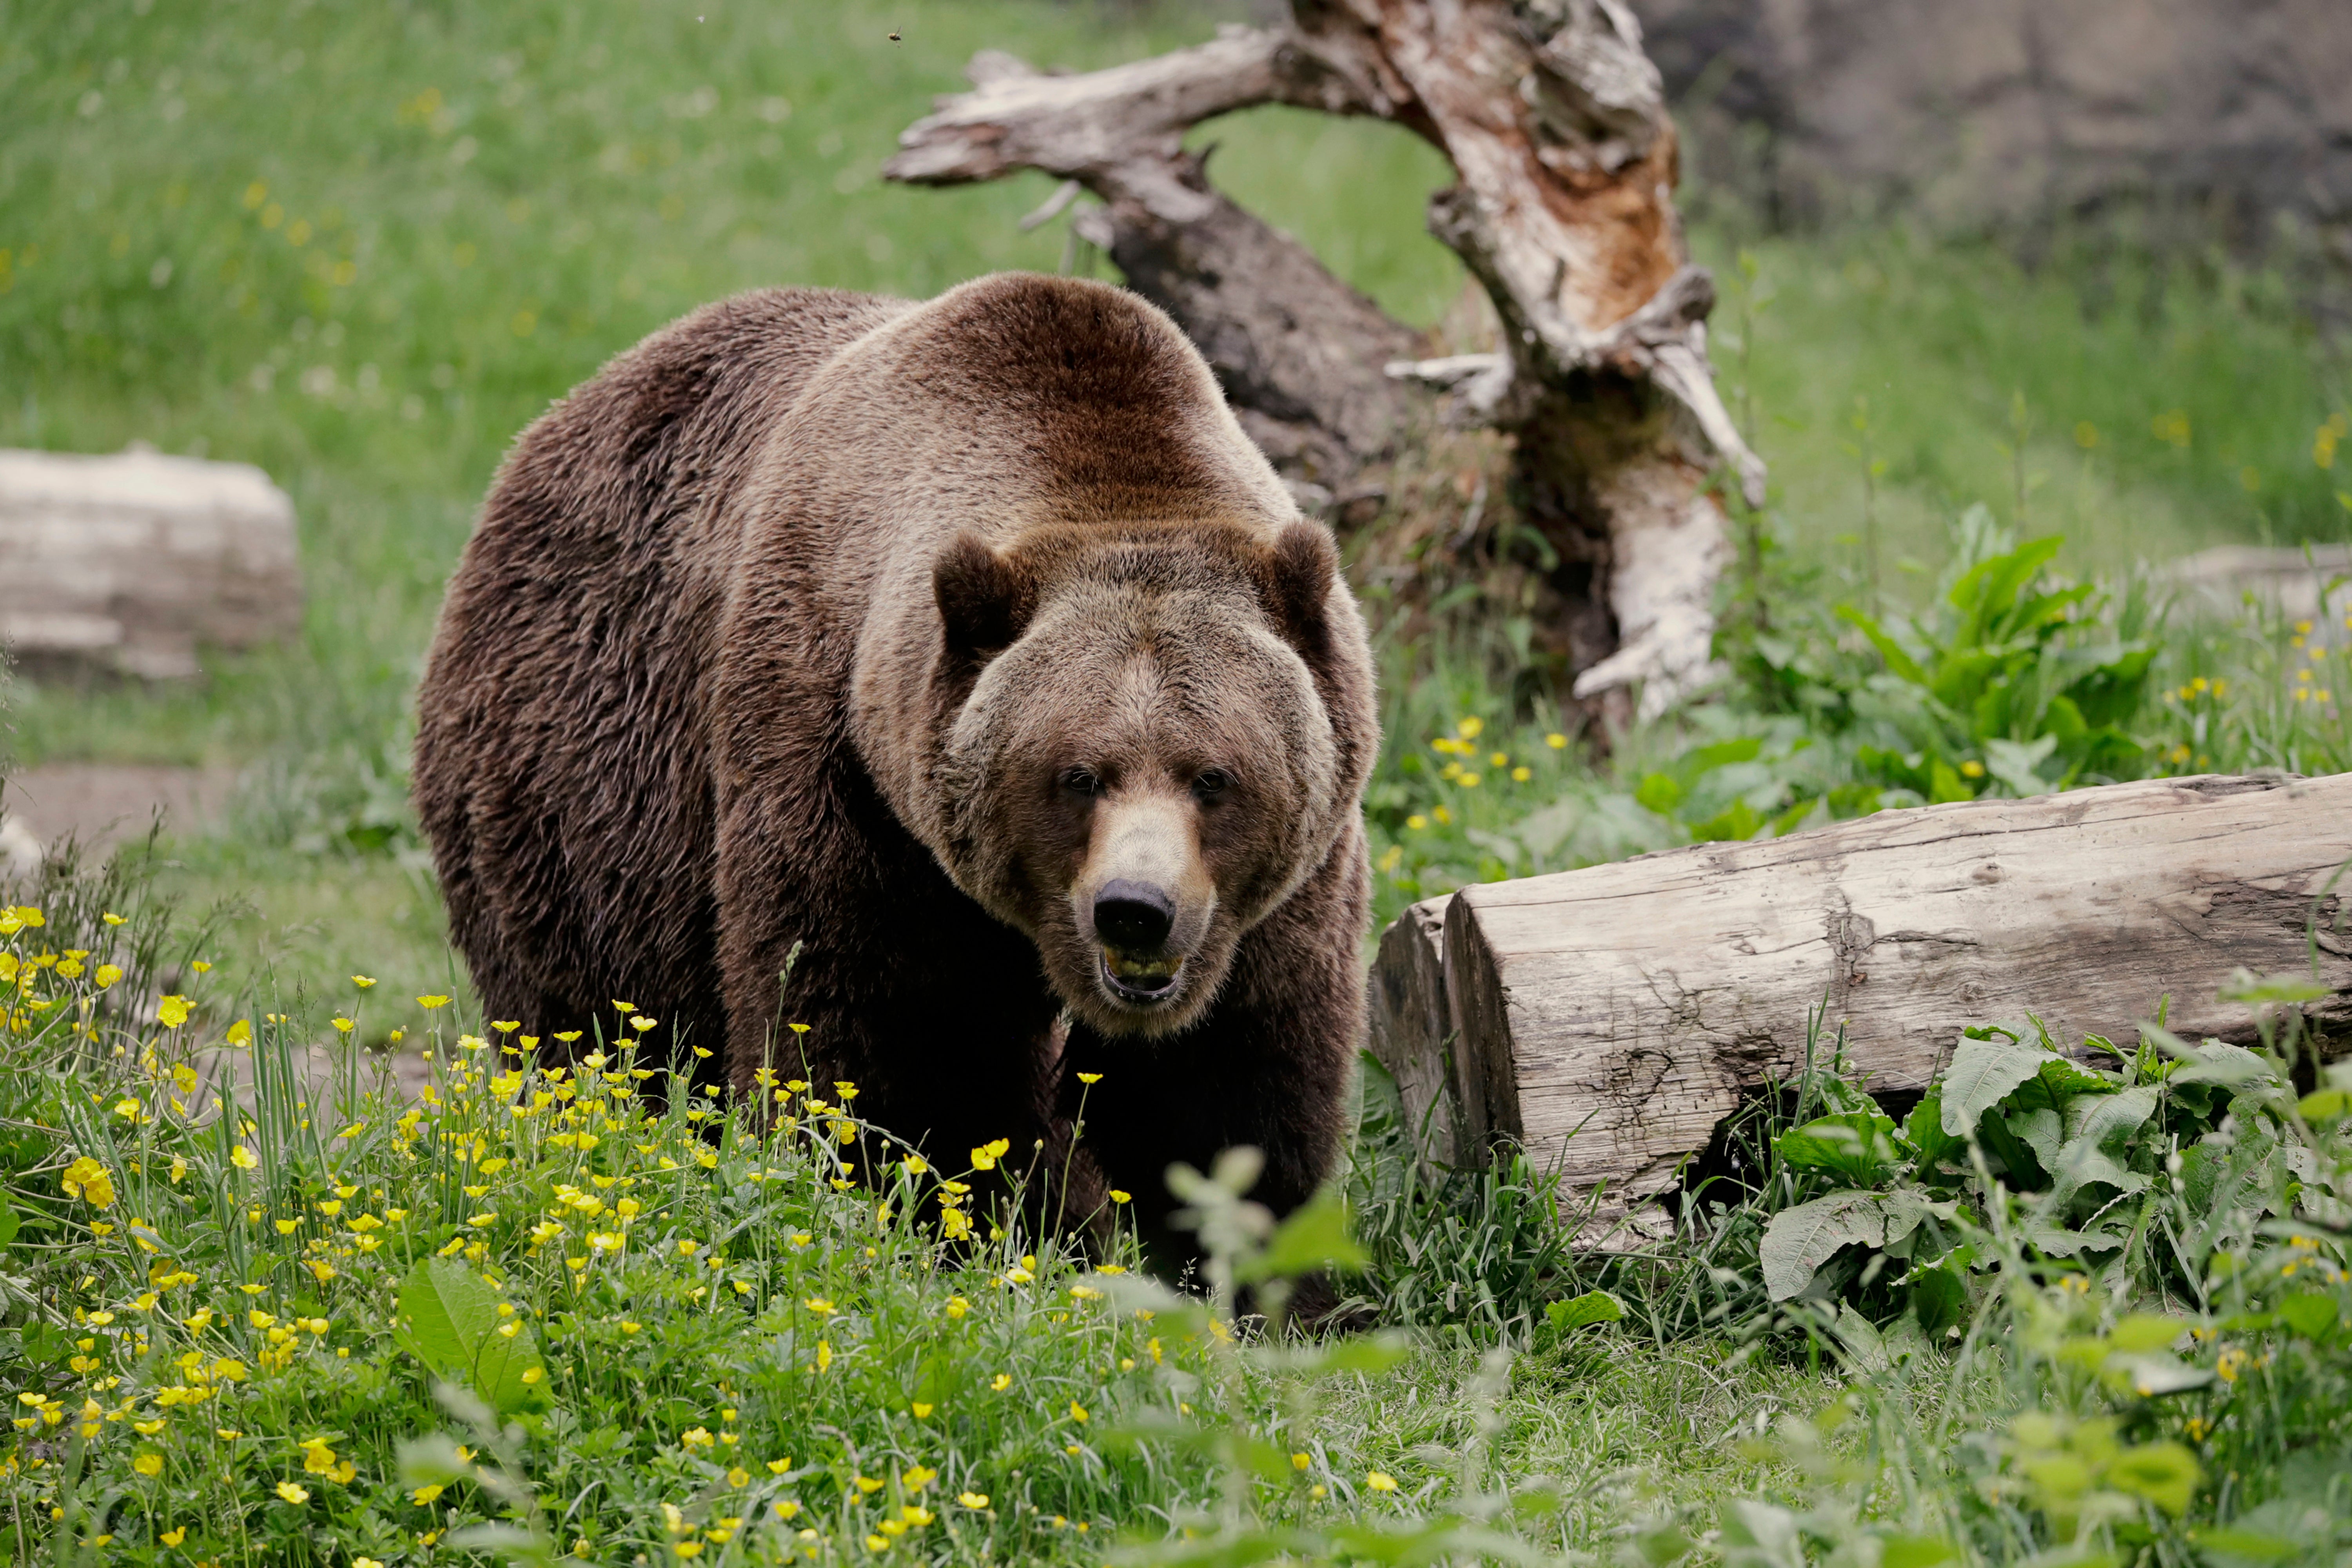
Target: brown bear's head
point(1149, 738)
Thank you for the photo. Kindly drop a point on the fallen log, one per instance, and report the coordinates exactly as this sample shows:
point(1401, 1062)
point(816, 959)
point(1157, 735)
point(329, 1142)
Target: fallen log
point(1607, 1020)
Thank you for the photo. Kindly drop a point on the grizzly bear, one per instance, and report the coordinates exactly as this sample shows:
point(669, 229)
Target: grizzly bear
point(953, 678)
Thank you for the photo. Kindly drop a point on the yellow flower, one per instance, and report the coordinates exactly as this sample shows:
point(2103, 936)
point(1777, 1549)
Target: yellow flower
point(173, 1011)
point(429, 1003)
point(363, 981)
point(920, 1476)
point(1522, 774)
point(1300, 1461)
point(1090, 1077)
point(239, 1033)
point(292, 1493)
point(1001, 1382)
point(922, 1411)
point(972, 1499)
point(687, 1547)
point(149, 1465)
point(819, 1305)
point(174, 1536)
point(1416, 822)
point(1381, 1481)
point(984, 1157)
point(89, 1180)
point(1078, 1411)
point(108, 973)
point(423, 1496)
point(1120, 1197)
point(786, 1509)
point(242, 1158)
point(739, 1476)
point(867, 1484)
point(1469, 728)
point(343, 1026)
point(1556, 741)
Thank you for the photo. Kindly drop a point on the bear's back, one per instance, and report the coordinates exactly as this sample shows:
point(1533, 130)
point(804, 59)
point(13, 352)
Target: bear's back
point(559, 770)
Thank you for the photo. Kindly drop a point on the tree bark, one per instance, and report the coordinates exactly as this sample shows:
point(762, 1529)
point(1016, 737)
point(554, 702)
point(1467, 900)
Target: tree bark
point(1556, 125)
point(1608, 1019)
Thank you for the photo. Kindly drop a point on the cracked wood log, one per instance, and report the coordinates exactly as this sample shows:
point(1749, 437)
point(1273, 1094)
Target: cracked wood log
point(1606, 1020)
point(1556, 124)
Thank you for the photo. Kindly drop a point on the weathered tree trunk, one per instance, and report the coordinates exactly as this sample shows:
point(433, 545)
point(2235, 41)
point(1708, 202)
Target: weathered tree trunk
point(1556, 125)
point(1608, 1019)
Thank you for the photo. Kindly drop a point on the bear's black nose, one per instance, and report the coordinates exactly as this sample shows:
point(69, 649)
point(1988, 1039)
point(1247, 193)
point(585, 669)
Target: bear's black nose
point(1133, 917)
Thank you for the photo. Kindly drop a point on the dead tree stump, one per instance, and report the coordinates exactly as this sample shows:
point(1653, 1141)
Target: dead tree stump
point(1556, 124)
point(1607, 1020)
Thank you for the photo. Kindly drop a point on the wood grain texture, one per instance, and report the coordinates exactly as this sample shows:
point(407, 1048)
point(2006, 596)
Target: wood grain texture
point(1613, 1015)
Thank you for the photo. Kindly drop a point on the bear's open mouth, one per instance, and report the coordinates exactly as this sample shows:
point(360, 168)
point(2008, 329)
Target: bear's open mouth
point(1139, 979)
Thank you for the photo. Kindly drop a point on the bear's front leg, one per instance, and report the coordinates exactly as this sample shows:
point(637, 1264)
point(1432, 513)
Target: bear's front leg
point(1268, 1066)
point(833, 918)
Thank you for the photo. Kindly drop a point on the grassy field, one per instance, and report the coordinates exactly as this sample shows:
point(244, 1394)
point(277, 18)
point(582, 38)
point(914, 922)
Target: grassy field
point(362, 245)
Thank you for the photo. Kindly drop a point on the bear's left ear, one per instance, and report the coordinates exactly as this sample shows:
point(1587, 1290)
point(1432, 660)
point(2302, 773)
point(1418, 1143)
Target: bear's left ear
point(1295, 577)
point(985, 600)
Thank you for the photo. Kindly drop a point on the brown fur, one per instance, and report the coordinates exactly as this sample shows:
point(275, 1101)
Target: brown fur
point(793, 628)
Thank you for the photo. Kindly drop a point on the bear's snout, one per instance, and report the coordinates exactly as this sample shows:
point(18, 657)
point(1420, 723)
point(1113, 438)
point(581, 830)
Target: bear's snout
point(1134, 917)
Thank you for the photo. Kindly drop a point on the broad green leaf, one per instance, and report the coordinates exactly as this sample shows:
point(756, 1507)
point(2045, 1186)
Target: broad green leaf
point(1857, 1147)
point(451, 1321)
point(2102, 1120)
point(1581, 1311)
point(1659, 793)
point(2136, 1332)
point(1799, 1240)
point(2216, 1062)
point(2040, 1131)
point(2309, 1314)
point(2017, 765)
point(8, 1223)
point(1981, 1075)
point(1315, 1236)
point(1939, 1299)
point(2321, 1107)
point(2057, 1241)
point(2166, 1474)
point(2246, 1545)
point(1925, 1129)
point(2063, 1080)
point(1913, 1552)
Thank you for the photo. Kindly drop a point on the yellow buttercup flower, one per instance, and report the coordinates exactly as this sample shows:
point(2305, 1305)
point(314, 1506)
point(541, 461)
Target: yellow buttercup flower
point(173, 1011)
point(89, 1180)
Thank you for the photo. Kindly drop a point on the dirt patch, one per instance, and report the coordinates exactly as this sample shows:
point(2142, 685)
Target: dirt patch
point(103, 805)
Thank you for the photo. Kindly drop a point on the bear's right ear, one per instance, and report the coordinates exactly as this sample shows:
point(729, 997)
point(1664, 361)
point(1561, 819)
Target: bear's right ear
point(985, 600)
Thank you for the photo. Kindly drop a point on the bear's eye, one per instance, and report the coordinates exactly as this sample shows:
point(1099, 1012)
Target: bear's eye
point(1212, 782)
point(1082, 781)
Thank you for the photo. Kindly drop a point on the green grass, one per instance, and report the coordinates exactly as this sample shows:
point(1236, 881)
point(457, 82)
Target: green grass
point(535, 1316)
